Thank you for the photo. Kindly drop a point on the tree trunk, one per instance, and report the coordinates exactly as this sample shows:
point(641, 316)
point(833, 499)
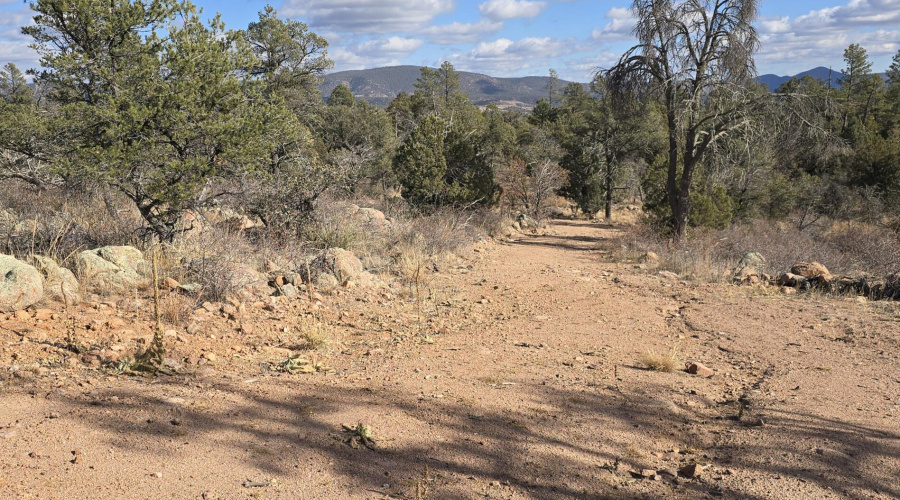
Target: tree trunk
point(609, 190)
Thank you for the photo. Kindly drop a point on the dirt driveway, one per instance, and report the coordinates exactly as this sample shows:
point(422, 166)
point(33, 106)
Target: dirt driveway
point(521, 379)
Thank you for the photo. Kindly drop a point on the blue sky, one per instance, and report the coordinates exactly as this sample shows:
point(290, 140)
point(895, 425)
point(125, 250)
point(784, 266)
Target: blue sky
point(527, 37)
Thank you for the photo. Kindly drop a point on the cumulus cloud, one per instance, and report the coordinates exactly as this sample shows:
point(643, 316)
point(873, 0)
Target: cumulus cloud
point(459, 33)
point(505, 56)
point(392, 47)
point(13, 44)
point(621, 23)
point(820, 36)
point(498, 10)
point(367, 16)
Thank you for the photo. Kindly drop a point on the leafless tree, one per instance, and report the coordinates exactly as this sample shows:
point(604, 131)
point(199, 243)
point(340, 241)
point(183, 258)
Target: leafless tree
point(697, 56)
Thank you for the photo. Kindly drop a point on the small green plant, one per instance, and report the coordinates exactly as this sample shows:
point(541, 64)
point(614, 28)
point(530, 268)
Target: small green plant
point(360, 435)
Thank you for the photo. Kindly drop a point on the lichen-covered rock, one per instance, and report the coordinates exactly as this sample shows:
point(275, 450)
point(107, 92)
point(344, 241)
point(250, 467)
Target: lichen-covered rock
point(371, 216)
point(748, 269)
point(20, 284)
point(59, 283)
point(113, 269)
point(340, 263)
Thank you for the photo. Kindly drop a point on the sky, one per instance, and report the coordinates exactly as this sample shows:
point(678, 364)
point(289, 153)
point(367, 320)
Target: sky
point(528, 37)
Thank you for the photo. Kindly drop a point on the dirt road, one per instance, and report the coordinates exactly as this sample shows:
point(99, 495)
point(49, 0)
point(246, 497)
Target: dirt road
point(527, 385)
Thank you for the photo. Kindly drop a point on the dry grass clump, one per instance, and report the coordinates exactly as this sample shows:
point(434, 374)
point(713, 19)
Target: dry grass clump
point(315, 335)
point(222, 262)
point(58, 223)
point(666, 362)
point(851, 248)
point(175, 308)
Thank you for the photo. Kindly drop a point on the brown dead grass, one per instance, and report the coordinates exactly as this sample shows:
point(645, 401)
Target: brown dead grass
point(667, 362)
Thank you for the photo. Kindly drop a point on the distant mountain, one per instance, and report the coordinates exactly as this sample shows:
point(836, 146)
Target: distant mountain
point(821, 73)
point(380, 86)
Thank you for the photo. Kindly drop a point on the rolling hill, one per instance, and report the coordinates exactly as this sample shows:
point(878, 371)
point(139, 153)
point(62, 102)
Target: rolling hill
point(380, 86)
point(821, 73)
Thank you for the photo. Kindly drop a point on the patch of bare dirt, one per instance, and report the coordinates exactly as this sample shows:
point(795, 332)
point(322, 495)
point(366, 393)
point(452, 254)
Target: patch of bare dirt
point(516, 373)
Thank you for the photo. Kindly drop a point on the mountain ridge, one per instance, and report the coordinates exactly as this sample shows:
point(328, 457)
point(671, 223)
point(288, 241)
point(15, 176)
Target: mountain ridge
point(380, 86)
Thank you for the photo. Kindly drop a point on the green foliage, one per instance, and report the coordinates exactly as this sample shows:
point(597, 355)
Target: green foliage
point(157, 100)
point(14, 88)
point(291, 59)
point(420, 164)
point(341, 96)
point(359, 140)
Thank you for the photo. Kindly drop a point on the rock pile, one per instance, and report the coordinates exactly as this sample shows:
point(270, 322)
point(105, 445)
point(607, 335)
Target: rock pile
point(804, 276)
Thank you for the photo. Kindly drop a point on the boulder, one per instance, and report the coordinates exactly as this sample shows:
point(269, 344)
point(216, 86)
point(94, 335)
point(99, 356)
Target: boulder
point(649, 257)
point(791, 280)
point(113, 269)
point(810, 270)
point(699, 369)
point(748, 269)
point(21, 285)
point(746, 277)
point(340, 263)
point(371, 216)
point(891, 287)
point(326, 281)
point(59, 283)
point(669, 275)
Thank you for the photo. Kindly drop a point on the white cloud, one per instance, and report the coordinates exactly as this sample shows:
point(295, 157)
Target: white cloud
point(621, 23)
point(498, 10)
point(505, 56)
point(819, 37)
point(393, 47)
point(367, 16)
point(459, 33)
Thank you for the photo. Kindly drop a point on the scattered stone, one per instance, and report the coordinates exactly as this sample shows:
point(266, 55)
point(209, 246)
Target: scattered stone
point(288, 291)
point(691, 470)
point(700, 369)
point(43, 314)
point(247, 328)
point(648, 473)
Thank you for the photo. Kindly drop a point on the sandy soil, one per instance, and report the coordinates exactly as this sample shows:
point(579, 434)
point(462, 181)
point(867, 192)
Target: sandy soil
point(520, 379)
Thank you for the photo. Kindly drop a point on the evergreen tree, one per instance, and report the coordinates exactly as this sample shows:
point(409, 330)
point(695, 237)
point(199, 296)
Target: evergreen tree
point(14, 88)
point(158, 101)
point(420, 165)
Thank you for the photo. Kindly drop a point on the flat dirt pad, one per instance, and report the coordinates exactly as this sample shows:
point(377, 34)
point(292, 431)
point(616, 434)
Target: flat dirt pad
point(528, 385)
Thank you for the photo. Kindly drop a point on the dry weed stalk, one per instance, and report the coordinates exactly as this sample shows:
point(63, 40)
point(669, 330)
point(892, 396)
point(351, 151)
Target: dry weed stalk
point(422, 485)
point(72, 343)
point(151, 359)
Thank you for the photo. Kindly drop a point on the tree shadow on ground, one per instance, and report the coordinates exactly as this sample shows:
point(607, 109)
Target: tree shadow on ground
point(560, 442)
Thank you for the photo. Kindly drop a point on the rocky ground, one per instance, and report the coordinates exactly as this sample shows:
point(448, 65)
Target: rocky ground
point(515, 373)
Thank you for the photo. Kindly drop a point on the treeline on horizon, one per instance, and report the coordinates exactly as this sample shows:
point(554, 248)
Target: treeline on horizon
point(177, 114)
